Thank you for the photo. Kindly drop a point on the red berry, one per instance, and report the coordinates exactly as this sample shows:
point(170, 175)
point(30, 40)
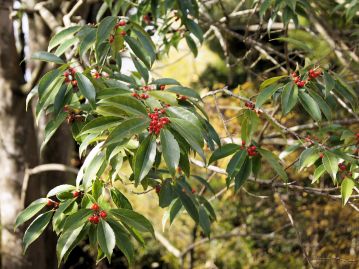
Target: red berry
point(50, 203)
point(103, 214)
point(76, 193)
point(253, 148)
point(95, 207)
point(294, 74)
point(121, 23)
point(111, 39)
point(72, 71)
point(193, 191)
point(158, 188)
point(321, 155)
point(123, 33)
point(95, 219)
point(74, 83)
point(66, 73)
point(342, 166)
point(90, 219)
point(243, 142)
point(162, 87)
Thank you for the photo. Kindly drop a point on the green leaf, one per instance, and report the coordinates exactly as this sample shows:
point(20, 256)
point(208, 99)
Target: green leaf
point(194, 29)
point(119, 199)
point(59, 216)
point(137, 50)
point(31, 94)
point(77, 219)
point(97, 189)
point(204, 221)
point(146, 41)
point(329, 82)
point(106, 238)
point(36, 228)
point(205, 183)
point(164, 96)
point(47, 57)
point(289, 97)
point(142, 70)
point(127, 129)
point(330, 163)
point(51, 128)
point(324, 107)
point(34, 208)
point(274, 162)
point(347, 189)
point(86, 87)
point(310, 106)
point(264, 7)
point(307, 158)
point(166, 81)
point(192, 45)
point(236, 163)
point(185, 114)
point(270, 81)
point(104, 29)
point(243, 174)
point(123, 241)
point(174, 209)
point(144, 159)
point(128, 104)
point(170, 150)
point(87, 42)
point(99, 125)
point(60, 188)
point(66, 240)
point(266, 94)
point(65, 46)
point(319, 171)
point(132, 219)
point(64, 34)
point(188, 203)
point(223, 152)
point(166, 194)
point(184, 91)
point(190, 133)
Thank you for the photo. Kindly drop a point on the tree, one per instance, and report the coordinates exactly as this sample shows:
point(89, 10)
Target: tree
point(157, 126)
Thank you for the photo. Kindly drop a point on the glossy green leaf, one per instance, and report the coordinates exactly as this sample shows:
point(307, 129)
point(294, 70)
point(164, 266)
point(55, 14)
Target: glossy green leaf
point(104, 29)
point(34, 208)
point(274, 162)
point(46, 57)
point(128, 104)
point(170, 150)
point(166, 81)
point(137, 50)
point(194, 28)
point(66, 240)
point(51, 128)
point(133, 219)
point(119, 199)
point(99, 125)
point(87, 42)
point(319, 171)
point(184, 91)
point(307, 158)
point(142, 70)
point(164, 96)
point(190, 133)
point(65, 46)
point(310, 106)
point(36, 228)
point(77, 219)
point(330, 163)
point(243, 174)
point(265, 94)
point(106, 238)
point(166, 194)
point(60, 188)
point(127, 129)
point(270, 81)
point(188, 203)
point(192, 45)
point(144, 159)
point(87, 88)
point(236, 163)
point(289, 97)
point(62, 35)
point(329, 82)
point(204, 220)
point(346, 189)
point(223, 152)
point(174, 209)
point(324, 107)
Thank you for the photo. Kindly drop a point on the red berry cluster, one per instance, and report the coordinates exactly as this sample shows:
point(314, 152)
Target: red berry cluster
point(158, 121)
point(121, 23)
point(140, 96)
point(249, 104)
point(252, 150)
point(314, 74)
point(76, 194)
point(342, 166)
point(53, 204)
point(300, 83)
point(70, 77)
point(95, 218)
